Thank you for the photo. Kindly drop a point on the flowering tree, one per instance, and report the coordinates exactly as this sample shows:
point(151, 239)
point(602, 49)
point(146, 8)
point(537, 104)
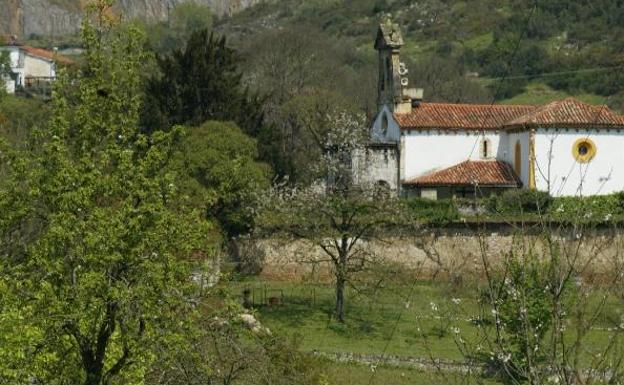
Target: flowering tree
point(544, 303)
point(337, 215)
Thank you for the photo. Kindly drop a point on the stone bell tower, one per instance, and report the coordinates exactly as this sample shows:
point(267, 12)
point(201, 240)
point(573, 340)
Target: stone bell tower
point(392, 88)
point(388, 43)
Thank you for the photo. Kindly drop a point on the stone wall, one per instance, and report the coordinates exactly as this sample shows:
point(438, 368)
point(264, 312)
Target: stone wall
point(451, 255)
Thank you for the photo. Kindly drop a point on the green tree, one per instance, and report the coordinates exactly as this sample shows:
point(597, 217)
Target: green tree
point(221, 174)
point(5, 71)
point(96, 245)
point(198, 83)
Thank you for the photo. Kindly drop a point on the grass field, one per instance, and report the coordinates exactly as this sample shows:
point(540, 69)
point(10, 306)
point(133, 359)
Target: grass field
point(399, 319)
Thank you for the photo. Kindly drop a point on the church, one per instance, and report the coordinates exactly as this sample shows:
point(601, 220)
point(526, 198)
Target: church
point(443, 150)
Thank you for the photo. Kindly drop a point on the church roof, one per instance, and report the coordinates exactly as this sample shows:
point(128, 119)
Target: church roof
point(563, 113)
point(569, 112)
point(470, 173)
point(460, 116)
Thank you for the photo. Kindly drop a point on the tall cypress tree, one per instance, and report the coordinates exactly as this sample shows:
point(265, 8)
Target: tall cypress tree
point(198, 83)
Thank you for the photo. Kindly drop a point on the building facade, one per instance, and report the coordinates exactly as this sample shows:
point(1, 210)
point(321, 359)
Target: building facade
point(30, 66)
point(442, 150)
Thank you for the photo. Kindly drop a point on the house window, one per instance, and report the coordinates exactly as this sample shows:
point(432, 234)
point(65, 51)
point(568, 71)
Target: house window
point(431, 194)
point(485, 148)
point(518, 158)
point(584, 150)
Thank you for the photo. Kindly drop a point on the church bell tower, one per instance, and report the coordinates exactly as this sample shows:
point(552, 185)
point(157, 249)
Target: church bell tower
point(388, 43)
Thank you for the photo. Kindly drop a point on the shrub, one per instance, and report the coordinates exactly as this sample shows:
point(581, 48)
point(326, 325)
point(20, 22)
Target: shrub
point(433, 211)
point(520, 201)
point(599, 207)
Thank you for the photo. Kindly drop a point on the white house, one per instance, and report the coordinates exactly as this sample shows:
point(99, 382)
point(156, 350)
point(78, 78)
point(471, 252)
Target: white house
point(440, 150)
point(31, 66)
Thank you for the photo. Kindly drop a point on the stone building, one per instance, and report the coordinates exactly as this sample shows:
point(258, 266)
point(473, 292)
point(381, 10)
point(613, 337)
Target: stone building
point(439, 150)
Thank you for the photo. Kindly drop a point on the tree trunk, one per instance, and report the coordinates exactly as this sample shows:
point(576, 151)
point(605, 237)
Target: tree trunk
point(94, 377)
point(340, 286)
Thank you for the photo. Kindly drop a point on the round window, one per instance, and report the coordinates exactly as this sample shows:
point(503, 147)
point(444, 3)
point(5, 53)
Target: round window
point(584, 150)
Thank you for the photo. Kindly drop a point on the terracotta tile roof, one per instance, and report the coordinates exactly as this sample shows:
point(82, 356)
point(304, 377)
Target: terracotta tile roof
point(469, 173)
point(45, 54)
point(568, 112)
point(460, 116)
point(563, 113)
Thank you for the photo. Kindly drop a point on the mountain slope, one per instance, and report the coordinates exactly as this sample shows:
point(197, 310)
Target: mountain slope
point(53, 18)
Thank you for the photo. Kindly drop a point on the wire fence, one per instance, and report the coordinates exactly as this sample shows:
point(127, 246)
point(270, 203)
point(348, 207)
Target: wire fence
point(324, 296)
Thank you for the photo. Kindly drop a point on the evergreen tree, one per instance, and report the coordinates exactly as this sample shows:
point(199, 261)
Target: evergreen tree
point(198, 83)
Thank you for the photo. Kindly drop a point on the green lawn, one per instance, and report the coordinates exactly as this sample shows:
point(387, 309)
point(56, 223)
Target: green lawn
point(394, 319)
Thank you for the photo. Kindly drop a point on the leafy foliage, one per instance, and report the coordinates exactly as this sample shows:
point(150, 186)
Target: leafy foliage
point(221, 174)
point(520, 201)
point(96, 241)
point(593, 208)
point(439, 211)
point(524, 307)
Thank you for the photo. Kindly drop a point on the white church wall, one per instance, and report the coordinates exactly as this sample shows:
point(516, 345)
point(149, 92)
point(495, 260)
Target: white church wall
point(604, 174)
point(392, 132)
point(427, 151)
point(512, 139)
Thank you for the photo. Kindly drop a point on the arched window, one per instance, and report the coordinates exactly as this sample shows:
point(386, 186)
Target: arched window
point(486, 150)
point(384, 124)
point(518, 158)
point(382, 189)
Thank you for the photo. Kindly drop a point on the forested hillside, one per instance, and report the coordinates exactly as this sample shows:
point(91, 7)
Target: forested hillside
point(573, 47)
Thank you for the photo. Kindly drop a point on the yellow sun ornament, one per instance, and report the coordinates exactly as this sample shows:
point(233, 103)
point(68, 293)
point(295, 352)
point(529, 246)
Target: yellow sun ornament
point(584, 150)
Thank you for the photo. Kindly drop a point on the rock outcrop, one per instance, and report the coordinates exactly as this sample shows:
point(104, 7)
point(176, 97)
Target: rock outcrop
point(27, 18)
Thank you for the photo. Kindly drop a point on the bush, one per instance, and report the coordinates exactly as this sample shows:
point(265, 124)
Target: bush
point(600, 207)
point(520, 201)
point(433, 211)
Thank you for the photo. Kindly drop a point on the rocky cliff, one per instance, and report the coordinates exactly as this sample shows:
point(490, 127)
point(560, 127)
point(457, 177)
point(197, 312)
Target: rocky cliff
point(26, 18)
